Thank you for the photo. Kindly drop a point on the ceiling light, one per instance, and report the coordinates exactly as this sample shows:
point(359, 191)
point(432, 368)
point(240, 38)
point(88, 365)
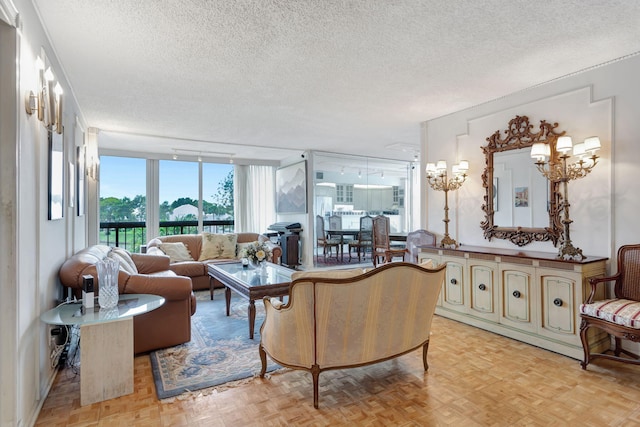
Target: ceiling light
point(175, 157)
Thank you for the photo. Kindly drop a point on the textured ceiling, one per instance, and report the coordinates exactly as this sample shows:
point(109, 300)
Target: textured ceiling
point(334, 75)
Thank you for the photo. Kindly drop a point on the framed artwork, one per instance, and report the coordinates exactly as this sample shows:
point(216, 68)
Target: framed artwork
point(56, 175)
point(80, 179)
point(522, 197)
point(71, 179)
point(291, 188)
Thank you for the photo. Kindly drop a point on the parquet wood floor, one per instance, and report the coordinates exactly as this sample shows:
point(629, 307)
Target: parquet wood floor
point(476, 378)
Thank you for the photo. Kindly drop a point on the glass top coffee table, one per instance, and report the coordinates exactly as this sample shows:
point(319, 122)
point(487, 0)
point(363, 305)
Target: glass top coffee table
point(251, 284)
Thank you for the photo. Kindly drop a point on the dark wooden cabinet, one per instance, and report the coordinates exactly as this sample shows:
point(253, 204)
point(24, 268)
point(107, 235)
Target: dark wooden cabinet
point(290, 249)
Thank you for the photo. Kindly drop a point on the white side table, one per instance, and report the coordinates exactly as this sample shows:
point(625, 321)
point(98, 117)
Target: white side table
point(106, 350)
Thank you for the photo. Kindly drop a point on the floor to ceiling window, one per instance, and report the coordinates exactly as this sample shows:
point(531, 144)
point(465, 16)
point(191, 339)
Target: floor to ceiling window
point(178, 196)
point(123, 202)
point(193, 196)
point(217, 194)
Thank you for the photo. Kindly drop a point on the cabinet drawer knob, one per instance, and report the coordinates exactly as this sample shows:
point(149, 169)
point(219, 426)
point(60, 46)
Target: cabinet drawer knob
point(516, 294)
point(482, 286)
point(557, 302)
point(454, 282)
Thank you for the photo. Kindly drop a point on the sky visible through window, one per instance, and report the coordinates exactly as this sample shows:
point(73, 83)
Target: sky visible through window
point(126, 177)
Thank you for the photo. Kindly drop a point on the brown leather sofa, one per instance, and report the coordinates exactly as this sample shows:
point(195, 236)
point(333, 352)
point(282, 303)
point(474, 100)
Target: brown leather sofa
point(197, 270)
point(166, 326)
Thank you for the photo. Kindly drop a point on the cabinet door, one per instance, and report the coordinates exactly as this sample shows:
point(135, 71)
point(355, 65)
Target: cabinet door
point(483, 295)
point(517, 298)
point(435, 261)
point(454, 285)
point(558, 309)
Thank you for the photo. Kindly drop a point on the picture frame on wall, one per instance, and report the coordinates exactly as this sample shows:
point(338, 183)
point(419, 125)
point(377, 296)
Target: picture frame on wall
point(291, 188)
point(56, 176)
point(71, 196)
point(80, 179)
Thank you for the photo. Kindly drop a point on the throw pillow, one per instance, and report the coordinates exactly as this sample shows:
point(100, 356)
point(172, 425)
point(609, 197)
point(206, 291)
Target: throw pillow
point(177, 251)
point(240, 248)
point(218, 246)
point(124, 260)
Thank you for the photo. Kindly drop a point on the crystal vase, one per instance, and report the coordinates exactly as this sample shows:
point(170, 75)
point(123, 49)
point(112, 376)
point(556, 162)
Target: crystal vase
point(107, 283)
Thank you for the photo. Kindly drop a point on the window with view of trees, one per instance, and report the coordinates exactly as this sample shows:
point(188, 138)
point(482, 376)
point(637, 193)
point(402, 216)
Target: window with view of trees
point(123, 199)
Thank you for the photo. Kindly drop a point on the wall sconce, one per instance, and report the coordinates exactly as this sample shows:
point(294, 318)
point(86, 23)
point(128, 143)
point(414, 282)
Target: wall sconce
point(35, 101)
point(57, 90)
point(439, 181)
point(49, 108)
point(562, 171)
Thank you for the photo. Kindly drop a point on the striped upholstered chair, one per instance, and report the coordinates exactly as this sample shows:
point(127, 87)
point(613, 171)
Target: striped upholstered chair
point(618, 316)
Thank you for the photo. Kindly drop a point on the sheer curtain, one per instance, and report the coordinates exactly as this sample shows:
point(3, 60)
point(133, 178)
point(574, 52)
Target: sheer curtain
point(254, 198)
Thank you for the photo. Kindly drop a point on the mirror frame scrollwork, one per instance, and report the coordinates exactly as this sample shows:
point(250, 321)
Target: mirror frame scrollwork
point(518, 135)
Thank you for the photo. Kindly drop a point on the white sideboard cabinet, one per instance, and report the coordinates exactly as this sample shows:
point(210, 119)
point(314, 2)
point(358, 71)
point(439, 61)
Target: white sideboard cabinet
point(528, 296)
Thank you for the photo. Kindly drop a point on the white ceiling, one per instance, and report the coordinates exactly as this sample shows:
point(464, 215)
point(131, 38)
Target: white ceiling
point(341, 76)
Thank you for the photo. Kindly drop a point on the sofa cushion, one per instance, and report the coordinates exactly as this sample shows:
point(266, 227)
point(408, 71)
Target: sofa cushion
point(189, 268)
point(218, 246)
point(177, 251)
point(620, 311)
point(124, 259)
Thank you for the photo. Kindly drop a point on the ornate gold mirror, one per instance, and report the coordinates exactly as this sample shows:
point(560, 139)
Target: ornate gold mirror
point(520, 205)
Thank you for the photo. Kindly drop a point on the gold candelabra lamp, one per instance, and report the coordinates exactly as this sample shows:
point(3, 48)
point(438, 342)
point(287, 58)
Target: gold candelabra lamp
point(562, 170)
point(440, 181)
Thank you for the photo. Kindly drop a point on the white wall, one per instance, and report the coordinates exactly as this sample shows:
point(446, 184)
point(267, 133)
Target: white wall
point(40, 245)
point(603, 101)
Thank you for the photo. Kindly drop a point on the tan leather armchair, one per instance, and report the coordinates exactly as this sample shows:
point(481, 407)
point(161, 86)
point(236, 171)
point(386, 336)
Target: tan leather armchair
point(167, 326)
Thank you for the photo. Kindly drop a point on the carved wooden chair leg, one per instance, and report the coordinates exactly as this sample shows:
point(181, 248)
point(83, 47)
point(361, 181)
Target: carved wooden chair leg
point(618, 347)
point(425, 348)
point(263, 359)
point(585, 344)
point(315, 373)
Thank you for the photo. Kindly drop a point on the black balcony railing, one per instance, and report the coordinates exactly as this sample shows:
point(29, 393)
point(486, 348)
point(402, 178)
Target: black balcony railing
point(131, 235)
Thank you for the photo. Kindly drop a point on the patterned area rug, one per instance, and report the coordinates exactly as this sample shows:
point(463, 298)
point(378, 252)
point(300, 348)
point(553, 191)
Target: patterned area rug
point(220, 350)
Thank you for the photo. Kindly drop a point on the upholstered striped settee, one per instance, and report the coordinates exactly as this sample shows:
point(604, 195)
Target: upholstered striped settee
point(346, 318)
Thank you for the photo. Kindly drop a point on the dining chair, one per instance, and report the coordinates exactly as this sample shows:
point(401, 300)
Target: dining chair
point(415, 240)
point(382, 251)
point(364, 240)
point(335, 224)
point(618, 315)
point(322, 240)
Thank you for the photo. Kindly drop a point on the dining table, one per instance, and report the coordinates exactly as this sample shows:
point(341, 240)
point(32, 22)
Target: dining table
point(398, 236)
